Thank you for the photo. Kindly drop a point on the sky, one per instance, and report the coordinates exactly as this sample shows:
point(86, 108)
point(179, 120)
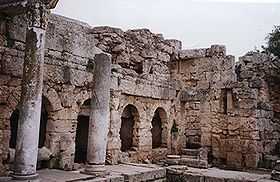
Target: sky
point(241, 25)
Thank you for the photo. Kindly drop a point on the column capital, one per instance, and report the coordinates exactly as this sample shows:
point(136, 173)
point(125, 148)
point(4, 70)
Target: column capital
point(37, 15)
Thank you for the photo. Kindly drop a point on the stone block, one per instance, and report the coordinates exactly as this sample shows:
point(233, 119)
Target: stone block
point(234, 160)
point(251, 161)
point(217, 50)
point(176, 44)
point(61, 126)
point(13, 66)
point(214, 179)
point(64, 114)
point(192, 54)
point(195, 177)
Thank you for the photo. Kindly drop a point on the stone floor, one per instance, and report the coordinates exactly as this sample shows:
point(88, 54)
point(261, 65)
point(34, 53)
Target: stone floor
point(118, 173)
point(153, 173)
point(177, 174)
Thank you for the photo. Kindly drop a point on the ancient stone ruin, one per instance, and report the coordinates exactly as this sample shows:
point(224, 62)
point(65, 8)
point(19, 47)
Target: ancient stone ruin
point(83, 97)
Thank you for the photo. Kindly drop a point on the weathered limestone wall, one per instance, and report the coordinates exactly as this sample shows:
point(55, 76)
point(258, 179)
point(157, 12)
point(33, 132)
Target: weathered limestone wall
point(69, 53)
point(140, 77)
point(201, 75)
point(146, 108)
point(230, 108)
point(254, 127)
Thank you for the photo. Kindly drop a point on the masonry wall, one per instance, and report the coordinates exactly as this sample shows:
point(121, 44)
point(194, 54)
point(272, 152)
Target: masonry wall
point(257, 129)
point(67, 79)
point(140, 77)
point(230, 108)
point(203, 75)
point(143, 82)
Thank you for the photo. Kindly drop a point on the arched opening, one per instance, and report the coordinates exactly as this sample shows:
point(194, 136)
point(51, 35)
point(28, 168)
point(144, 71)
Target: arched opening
point(81, 140)
point(159, 131)
point(129, 117)
point(42, 134)
point(43, 125)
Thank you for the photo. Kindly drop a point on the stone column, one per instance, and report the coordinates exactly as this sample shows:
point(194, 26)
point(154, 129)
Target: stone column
point(31, 93)
point(99, 116)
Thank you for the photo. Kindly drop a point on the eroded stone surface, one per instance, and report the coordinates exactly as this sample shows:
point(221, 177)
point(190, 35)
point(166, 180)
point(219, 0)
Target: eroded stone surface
point(215, 175)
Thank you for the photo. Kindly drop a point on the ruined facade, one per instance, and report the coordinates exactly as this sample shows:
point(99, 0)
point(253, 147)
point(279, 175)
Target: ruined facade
point(163, 99)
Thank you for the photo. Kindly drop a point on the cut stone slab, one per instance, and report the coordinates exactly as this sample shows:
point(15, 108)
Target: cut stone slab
point(117, 173)
point(190, 152)
point(58, 175)
point(218, 175)
point(138, 172)
point(193, 162)
point(52, 175)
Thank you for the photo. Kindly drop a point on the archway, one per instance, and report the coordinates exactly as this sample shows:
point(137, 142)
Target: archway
point(81, 140)
point(42, 134)
point(159, 131)
point(43, 124)
point(130, 117)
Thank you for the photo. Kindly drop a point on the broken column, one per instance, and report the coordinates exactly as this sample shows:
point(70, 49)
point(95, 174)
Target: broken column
point(31, 93)
point(99, 116)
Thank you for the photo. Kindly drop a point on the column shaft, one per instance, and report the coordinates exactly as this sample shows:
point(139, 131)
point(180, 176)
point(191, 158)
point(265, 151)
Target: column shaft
point(100, 113)
point(31, 94)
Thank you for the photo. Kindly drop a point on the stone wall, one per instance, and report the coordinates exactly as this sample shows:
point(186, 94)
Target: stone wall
point(254, 127)
point(203, 78)
point(67, 82)
point(140, 77)
point(230, 108)
point(69, 61)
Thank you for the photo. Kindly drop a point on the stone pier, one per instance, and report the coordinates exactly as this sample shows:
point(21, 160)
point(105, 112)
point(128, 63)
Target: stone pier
point(99, 116)
point(31, 93)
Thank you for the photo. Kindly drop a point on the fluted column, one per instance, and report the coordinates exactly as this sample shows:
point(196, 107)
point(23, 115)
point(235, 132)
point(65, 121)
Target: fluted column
point(99, 116)
point(31, 93)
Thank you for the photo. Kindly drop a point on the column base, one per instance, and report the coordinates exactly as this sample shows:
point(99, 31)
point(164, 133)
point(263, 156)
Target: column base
point(95, 170)
point(32, 177)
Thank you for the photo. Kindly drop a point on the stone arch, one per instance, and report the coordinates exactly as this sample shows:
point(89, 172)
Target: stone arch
point(82, 96)
point(13, 126)
point(53, 98)
point(82, 131)
point(12, 102)
point(130, 120)
point(138, 105)
point(45, 109)
point(159, 128)
point(9, 99)
point(9, 109)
